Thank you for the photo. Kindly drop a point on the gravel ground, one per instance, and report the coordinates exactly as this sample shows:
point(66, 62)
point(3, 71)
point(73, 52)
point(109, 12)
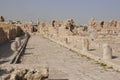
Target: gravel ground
point(64, 63)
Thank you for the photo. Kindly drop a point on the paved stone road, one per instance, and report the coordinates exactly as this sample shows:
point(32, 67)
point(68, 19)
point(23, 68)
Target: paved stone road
point(63, 63)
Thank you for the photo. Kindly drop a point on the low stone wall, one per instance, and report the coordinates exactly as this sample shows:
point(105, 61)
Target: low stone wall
point(61, 28)
point(9, 34)
point(3, 36)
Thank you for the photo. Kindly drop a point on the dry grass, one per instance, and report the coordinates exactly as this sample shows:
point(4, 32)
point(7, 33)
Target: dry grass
point(6, 25)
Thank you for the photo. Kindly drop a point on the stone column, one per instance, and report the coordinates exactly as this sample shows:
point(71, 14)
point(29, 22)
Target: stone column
point(107, 52)
point(66, 40)
point(27, 34)
point(18, 40)
point(85, 44)
point(93, 35)
point(14, 46)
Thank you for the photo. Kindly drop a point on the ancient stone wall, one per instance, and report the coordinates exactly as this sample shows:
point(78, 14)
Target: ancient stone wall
point(2, 19)
point(64, 31)
point(28, 27)
point(105, 27)
point(19, 31)
point(3, 36)
point(67, 32)
point(8, 34)
point(62, 28)
point(24, 72)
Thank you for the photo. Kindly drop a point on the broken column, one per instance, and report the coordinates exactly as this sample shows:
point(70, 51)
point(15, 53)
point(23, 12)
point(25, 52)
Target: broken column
point(93, 35)
point(66, 40)
point(14, 46)
point(85, 44)
point(2, 19)
point(26, 73)
point(107, 52)
point(18, 40)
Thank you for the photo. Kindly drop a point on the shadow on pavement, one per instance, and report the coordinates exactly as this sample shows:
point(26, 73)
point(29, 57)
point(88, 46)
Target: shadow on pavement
point(5, 50)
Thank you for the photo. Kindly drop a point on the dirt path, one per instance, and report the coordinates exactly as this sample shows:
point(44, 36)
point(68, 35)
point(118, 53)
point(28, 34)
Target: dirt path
point(63, 63)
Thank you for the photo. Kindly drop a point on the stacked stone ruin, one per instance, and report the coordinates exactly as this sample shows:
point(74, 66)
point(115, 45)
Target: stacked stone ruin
point(9, 34)
point(105, 27)
point(107, 52)
point(3, 36)
point(67, 32)
point(29, 27)
point(20, 72)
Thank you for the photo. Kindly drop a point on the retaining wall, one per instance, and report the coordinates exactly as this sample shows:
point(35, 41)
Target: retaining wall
point(9, 34)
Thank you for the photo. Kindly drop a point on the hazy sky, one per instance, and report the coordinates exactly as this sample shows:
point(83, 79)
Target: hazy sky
point(79, 10)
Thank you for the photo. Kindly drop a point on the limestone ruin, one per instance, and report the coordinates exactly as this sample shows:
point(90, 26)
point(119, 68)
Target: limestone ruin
point(14, 46)
point(18, 40)
point(2, 19)
point(99, 38)
point(85, 44)
point(107, 52)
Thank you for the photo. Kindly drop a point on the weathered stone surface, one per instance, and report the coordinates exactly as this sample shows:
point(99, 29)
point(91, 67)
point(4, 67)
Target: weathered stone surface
point(69, 24)
point(105, 27)
point(6, 77)
point(2, 19)
point(28, 27)
point(19, 31)
point(3, 36)
point(107, 52)
point(11, 33)
point(14, 76)
point(18, 40)
point(43, 71)
point(65, 63)
point(34, 73)
point(61, 28)
point(14, 46)
point(93, 34)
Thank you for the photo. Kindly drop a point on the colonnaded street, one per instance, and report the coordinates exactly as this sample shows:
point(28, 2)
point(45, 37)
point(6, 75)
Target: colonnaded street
point(64, 63)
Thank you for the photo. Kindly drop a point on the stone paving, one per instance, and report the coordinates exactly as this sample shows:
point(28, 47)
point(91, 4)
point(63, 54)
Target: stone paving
point(64, 63)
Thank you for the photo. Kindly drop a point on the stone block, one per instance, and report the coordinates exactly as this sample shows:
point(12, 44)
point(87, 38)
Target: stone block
point(107, 52)
point(85, 44)
point(14, 46)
